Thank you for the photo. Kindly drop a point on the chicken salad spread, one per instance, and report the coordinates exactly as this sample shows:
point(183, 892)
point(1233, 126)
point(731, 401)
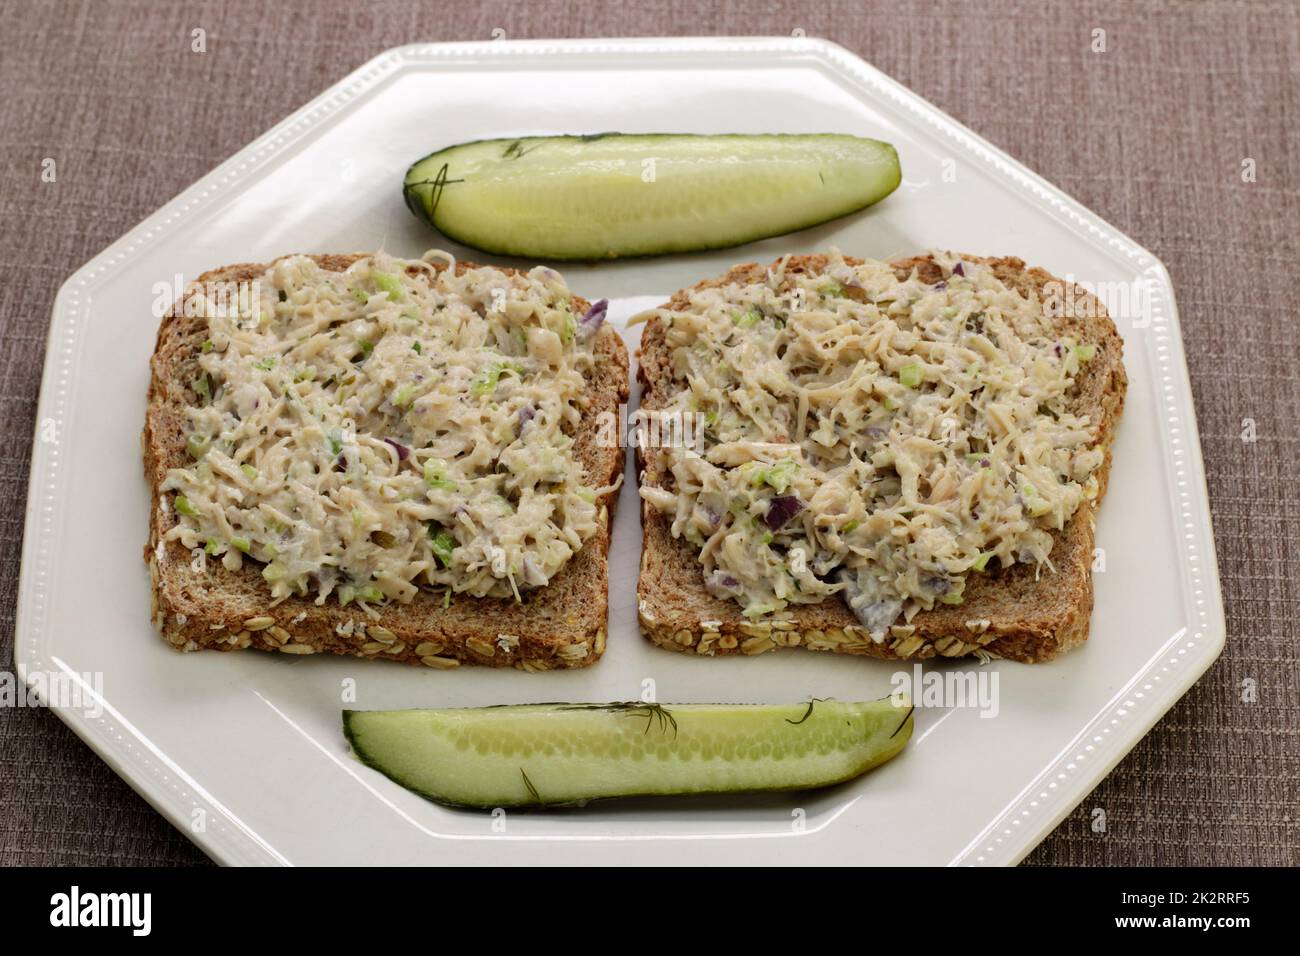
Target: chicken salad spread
point(393, 426)
point(875, 437)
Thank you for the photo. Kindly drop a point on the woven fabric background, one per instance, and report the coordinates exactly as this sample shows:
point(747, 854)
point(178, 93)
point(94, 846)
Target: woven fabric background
point(1152, 134)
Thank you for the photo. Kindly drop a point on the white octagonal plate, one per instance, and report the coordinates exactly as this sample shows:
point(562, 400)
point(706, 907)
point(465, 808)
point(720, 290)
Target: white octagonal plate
point(244, 753)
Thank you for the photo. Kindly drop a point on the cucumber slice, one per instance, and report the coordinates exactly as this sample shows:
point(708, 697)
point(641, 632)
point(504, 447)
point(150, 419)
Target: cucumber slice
point(611, 195)
point(556, 754)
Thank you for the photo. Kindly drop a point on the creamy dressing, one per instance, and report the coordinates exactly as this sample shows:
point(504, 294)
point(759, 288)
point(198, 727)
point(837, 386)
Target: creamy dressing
point(869, 436)
point(370, 432)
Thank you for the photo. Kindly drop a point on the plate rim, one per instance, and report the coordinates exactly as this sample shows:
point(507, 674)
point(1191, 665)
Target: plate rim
point(1025, 821)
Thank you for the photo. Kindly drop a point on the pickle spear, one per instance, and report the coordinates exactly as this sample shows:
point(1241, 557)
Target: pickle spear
point(615, 194)
point(561, 754)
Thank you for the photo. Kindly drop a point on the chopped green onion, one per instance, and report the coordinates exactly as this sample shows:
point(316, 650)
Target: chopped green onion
point(203, 389)
point(435, 475)
point(389, 283)
point(588, 495)
point(1085, 353)
point(442, 543)
point(366, 348)
point(485, 382)
point(212, 546)
point(778, 475)
point(850, 526)
point(404, 395)
point(1035, 503)
point(910, 375)
point(265, 364)
point(197, 445)
point(982, 562)
point(241, 544)
point(370, 594)
point(206, 346)
point(183, 506)
point(361, 295)
point(417, 348)
point(951, 599)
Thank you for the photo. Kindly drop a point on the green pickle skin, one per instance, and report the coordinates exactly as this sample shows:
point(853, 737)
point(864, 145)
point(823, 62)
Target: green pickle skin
point(565, 754)
point(616, 195)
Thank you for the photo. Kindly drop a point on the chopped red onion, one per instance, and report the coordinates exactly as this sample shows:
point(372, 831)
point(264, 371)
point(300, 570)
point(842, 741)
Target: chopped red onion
point(722, 585)
point(780, 510)
point(403, 452)
point(593, 318)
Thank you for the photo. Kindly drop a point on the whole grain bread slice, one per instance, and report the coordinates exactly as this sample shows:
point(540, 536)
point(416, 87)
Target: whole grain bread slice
point(558, 626)
point(1019, 612)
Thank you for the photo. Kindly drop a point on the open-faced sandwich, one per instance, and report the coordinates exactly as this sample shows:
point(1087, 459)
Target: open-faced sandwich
point(899, 460)
point(386, 458)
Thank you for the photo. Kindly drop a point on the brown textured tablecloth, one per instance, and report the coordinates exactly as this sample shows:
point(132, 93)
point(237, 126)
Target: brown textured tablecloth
point(1152, 134)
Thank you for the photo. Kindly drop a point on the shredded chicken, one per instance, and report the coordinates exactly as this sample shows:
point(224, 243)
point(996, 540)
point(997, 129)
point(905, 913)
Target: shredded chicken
point(869, 436)
point(371, 432)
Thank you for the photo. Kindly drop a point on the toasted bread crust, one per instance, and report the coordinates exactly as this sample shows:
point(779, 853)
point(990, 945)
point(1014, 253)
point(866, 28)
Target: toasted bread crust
point(1032, 614)
point(559, 626)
